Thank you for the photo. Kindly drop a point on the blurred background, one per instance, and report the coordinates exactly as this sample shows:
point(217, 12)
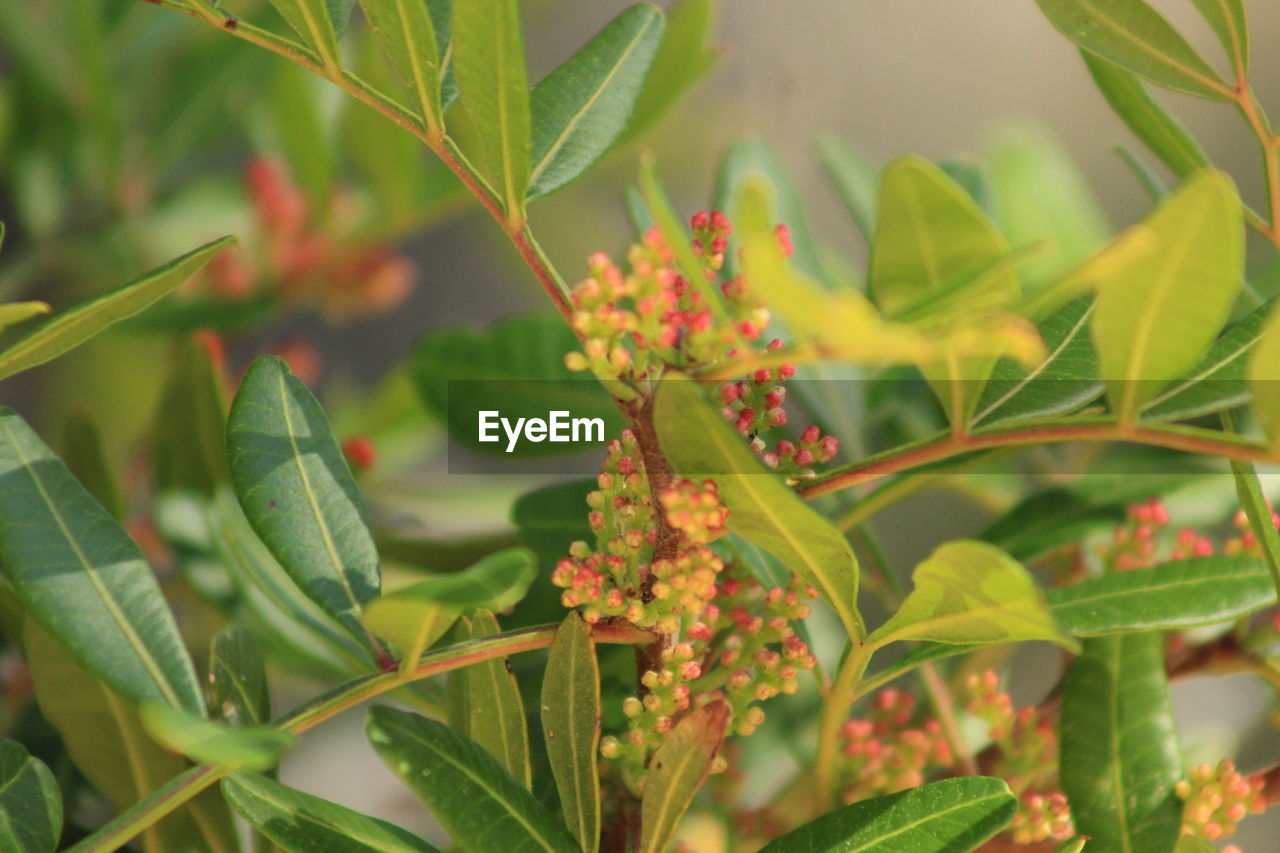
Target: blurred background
point(129, 134)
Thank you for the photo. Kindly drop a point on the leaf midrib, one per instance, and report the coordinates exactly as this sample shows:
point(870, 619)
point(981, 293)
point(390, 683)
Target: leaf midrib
point(1147, 48)
point(1041, 368)
point(411, 48)
point(91, 572)
point(591, 102)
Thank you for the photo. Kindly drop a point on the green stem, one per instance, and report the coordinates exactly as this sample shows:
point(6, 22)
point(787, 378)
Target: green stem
point(1204, 442)
point(835, 707)
point(1256, 509)
point(182, 788)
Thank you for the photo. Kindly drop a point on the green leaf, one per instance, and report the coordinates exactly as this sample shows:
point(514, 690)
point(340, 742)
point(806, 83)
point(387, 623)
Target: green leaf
point(13, 313)
point(930, 235)
point(189, 443)
point(73, 327)
point(933, 241)
point(207, 742)
point(296, 490)
point(1063, 382)
point(78, 573)
point(87, 462)
point(494, 712)
point(683, 57)
point(1050, 519)
point(1264, 379)
point(951, 816)
point(676, 772)
point(1147, 117)
point(856, 181)
point(1157, 315)
point(762, 510)
point(515, 367)
point(1191, 844)
point(406, 32)
point(747, 160)
point(1072, 845)
point(1219, 381)
point(492, 82)
point(1230, 24)
point(1132, 34)
point(1178, 594)
point(971, 592)
point(340, 14)
point(1119, 754)
point(301, 823)
point(238, 679)
point(580, 109)
point(551, 518)
point(30, 802)
point(415, 617)
point(311, 20)
point(1258, 510)
point(1041, 199)
point(476, 800)
point(571, 726)
point(301, 131)
point(105, 739)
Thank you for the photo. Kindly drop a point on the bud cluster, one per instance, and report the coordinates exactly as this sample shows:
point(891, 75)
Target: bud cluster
point(1139, 543)
point(1215, 799)
point(307, 260)
point(755, 405)
point(634, 323)
point(886, 752)
point(1027, 747)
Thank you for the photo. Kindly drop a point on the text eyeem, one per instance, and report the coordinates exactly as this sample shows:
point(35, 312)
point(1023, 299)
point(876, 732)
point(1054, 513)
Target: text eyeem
point(559, 426)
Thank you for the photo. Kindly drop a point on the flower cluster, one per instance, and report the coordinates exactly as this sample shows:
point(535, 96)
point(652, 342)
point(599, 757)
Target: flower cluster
point(726, 637)
point(755, 405)
point(886, 753)
point(308, 261)
point(1215, 799)
point(1138, 543)
point(1027, 759)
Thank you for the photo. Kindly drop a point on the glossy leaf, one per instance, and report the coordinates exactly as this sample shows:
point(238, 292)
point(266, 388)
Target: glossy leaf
point(971, 592)
point(747, 160)
point(476, 800)
point(1178, 594)
point(1264, 379)
point(104, 737)
point(408, 35)
point(1230, 24)
point(297, 822)
point(207, 742)
point(1149, 119)
point(1258, 510)
point(490, 705)
point(1119, 754)
point(571, 726)
point(683, 57)
point(856, 181)
point(492, 82)
point(73, 327)
point(676, 772)
point(1156, 318)
point(1132, 34)
point(515, 367)
point(1042, 202)
point(1064, 381)
point(311, 20)
point(30, 802)
point(293, 482)
point(580, 109)
point(951, 816)
point(81, 576)
point(238, 679)
point(762, 509)
point(1219, 381)
point(415, 617)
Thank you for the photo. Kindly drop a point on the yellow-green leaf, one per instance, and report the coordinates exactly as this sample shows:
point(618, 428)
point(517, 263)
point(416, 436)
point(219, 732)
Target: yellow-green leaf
point(571, 726)
point(490, 699)
point(311, 20)
point(13, 313)
point(676, 772)
point(1264, 380)
point(762, 509)
point(252, 748)
point(1156, 316)
point(972, 592)
point(406, 32)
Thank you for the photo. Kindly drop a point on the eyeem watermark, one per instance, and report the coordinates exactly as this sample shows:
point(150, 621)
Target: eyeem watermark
point(559, 427)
